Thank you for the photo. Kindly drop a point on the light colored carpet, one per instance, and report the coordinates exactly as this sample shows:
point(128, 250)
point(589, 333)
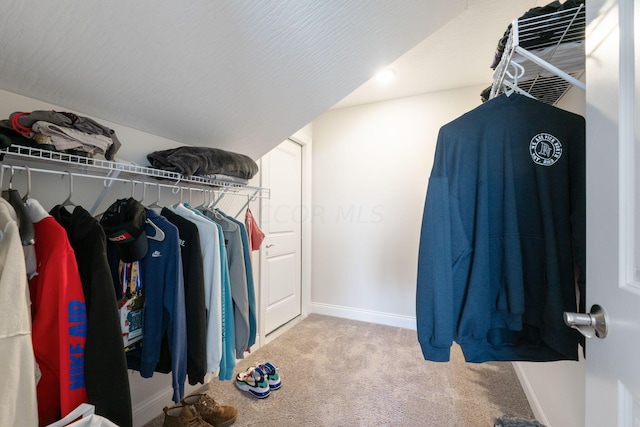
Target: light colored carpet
point(339, 372)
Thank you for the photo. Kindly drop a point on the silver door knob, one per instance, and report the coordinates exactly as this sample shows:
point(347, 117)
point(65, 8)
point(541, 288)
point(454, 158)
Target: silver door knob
point(588, 324)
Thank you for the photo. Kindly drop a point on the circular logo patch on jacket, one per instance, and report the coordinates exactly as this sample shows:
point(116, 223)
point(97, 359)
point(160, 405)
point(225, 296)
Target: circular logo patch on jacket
point(545, 149)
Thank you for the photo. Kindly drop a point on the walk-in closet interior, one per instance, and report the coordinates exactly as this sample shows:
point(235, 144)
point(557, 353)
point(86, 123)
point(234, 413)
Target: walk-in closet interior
point(264, 120)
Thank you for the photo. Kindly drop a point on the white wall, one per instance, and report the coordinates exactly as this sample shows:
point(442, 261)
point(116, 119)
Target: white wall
point(371, 165)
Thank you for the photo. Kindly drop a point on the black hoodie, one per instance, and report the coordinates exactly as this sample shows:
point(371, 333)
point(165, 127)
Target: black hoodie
point(106, 377)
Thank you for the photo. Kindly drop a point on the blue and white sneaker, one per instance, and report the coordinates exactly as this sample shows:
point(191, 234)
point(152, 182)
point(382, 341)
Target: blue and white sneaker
point(255, 382)
point(273, 375)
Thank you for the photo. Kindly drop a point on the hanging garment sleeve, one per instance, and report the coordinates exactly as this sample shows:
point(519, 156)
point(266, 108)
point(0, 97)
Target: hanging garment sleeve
point(60, 319)
point(255, 234)
point(434, 294)
point(18, 405)
point(196, 311)
point(246, 251)
point(27, 234)
point(209, 239)
point(228, 361)
point(106, 376)
point(164, 304)
point(238, 280)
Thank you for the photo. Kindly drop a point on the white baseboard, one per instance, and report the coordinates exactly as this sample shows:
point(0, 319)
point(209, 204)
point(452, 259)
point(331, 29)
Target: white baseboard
point(282, 329)
point(388, 319)
point(148, 409)
point(532, 397)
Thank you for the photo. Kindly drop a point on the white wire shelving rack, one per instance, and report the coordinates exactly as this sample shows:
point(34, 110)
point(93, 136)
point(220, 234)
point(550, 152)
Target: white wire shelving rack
point(544, 56)
point(18, 156)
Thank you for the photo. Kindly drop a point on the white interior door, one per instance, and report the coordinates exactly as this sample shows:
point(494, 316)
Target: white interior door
point(613, 214)
point(281, 254)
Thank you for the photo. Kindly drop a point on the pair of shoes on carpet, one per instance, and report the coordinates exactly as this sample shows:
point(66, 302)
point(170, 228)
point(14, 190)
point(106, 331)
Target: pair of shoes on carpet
point(259, 380)
point(199, 410)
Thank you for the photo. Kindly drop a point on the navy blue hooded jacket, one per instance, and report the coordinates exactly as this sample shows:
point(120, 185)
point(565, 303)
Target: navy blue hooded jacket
point(502, 245)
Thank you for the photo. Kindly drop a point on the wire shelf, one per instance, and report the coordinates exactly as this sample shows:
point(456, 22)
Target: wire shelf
point(87, 163)
point(551, 29)
point(550, 49)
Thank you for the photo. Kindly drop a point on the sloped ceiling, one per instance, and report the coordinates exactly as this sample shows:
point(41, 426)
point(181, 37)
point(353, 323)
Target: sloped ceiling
point(458, 54)
point(238, 75)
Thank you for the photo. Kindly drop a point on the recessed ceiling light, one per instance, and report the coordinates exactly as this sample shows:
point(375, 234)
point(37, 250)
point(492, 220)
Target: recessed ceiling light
point(386, 75)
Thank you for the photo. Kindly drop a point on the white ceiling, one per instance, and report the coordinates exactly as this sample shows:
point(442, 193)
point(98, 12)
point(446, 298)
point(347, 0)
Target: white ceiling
point(240, 75)
point(459, 54)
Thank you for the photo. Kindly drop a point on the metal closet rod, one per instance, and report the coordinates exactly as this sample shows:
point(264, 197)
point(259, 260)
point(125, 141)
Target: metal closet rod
point(108, 181)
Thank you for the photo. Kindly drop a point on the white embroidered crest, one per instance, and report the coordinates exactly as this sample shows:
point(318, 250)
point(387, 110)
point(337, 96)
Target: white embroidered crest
point(545, 149)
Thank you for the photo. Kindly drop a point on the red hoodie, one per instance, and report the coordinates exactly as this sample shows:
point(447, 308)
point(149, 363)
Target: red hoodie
point(59, 323)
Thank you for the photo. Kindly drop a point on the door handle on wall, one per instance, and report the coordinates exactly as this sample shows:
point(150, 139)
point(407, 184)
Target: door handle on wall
point(588, 324)
point(270, 246)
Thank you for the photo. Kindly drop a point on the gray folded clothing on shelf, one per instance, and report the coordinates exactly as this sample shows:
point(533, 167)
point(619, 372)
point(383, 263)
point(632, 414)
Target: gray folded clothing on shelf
point(203, 161)
point(65, 138)
point(25, 120)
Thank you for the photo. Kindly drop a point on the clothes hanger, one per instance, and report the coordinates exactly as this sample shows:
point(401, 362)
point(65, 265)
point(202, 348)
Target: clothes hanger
point(214, 201)
point(210, 203)
point(26, 196)
point(159, 234)
point(190, 198)
point(25, 226)
point(205, 199)
point(106, 185)
point(217, 215)
point(144, 193)
point(133, 189)
point(156, 203)
point(5, 193)
point(67, 201)
point(177, 190)
point(10, 187)
point(250, 198)
point(518, 72)
point(225, 223)
point(211, 198)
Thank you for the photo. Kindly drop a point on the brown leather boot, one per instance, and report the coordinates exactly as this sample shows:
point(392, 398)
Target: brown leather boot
point(210, 411)
point(182, 416)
